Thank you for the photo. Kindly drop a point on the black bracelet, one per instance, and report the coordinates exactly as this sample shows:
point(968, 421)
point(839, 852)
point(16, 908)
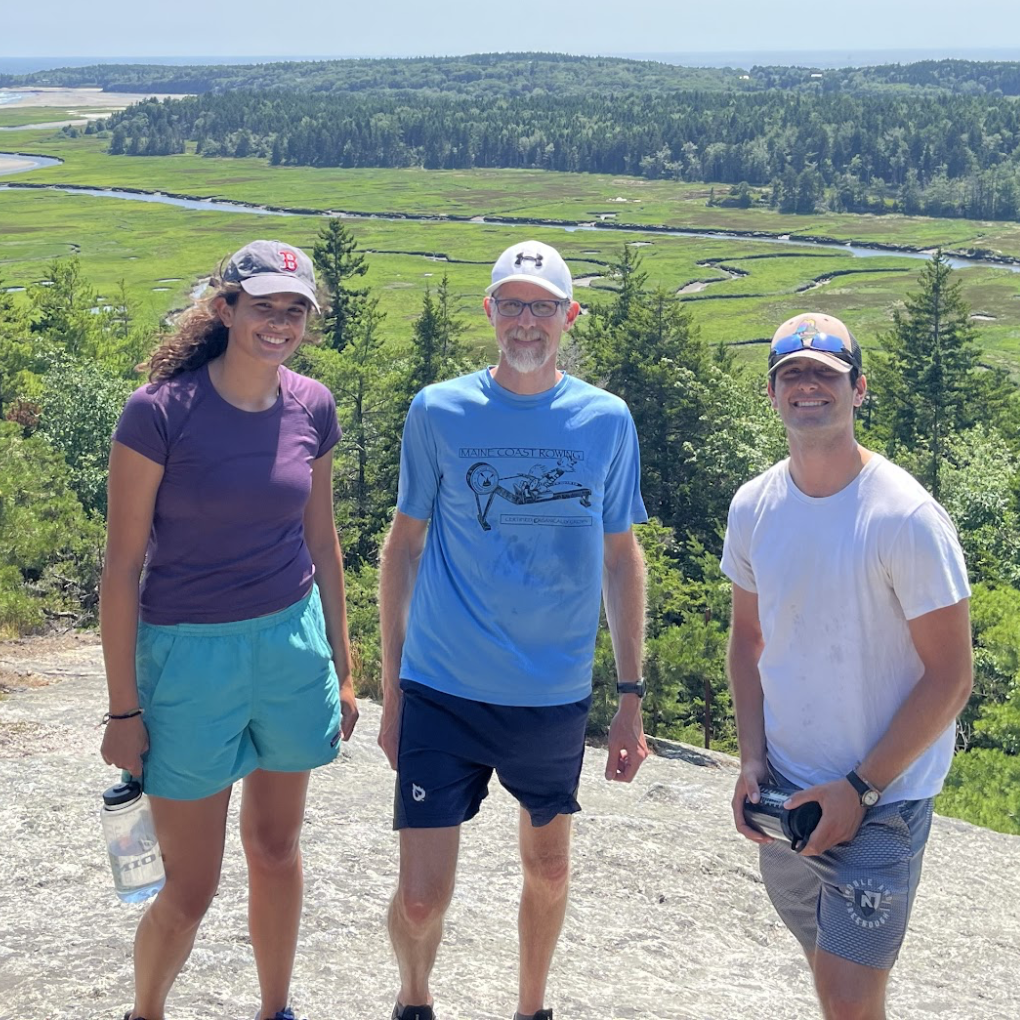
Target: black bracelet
point(126, 715)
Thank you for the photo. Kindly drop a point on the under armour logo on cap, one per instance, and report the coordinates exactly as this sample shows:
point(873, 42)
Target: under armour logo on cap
point(521, 258)
point(533, 262)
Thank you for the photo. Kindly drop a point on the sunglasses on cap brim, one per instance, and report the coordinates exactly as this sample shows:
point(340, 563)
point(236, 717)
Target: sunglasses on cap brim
point(795, 342)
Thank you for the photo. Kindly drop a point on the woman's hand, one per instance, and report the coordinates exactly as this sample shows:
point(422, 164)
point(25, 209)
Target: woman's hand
point(124, 743)
point(348, 708)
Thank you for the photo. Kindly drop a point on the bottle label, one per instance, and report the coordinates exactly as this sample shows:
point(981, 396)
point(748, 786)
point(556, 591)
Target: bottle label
point(134, 870)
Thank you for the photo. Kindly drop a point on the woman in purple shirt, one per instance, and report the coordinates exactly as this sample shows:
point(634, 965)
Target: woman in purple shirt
point(224, 658)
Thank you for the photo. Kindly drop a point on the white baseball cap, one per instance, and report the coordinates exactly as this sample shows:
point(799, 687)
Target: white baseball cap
point(533, 262)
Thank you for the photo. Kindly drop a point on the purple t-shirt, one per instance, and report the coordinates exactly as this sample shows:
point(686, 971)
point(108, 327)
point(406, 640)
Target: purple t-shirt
point(227, 539)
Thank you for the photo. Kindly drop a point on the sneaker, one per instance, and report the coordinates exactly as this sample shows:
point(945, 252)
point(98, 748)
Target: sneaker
point(542, 1014)
point(412, 1013)
point(284, 1014)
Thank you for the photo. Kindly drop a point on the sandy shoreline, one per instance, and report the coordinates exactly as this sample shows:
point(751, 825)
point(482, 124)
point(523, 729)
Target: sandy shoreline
point(75, 100)
point(15, 164)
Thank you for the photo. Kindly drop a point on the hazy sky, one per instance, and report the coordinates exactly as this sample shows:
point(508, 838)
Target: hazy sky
point(425, 27)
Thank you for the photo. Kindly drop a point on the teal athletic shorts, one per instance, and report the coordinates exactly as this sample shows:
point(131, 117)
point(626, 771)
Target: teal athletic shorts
point(224, 699)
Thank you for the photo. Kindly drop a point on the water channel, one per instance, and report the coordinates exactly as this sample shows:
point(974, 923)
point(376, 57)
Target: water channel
point(220, 205)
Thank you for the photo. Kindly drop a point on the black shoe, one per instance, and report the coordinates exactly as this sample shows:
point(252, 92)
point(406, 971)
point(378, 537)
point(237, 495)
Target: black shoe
point(412, 1013)
point(542, 1014)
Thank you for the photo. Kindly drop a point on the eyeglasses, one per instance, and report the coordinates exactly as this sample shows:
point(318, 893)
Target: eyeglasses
point(544, 308)
point(810, 342)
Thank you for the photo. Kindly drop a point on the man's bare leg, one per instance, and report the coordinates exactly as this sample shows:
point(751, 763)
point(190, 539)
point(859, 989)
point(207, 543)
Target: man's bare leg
point(428, 865)
point(846, 990)
point(545, 860)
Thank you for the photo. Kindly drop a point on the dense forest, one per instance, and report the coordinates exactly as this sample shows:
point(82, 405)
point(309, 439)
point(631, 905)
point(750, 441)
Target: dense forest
point(704, 427)
point(481, 76)
point(489, 75)
point(941, 156)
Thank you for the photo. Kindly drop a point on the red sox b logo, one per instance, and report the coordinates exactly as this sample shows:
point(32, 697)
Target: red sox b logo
point(289, 260)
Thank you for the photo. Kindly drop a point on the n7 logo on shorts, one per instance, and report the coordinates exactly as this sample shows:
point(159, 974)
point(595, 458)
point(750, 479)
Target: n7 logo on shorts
point(289, 260)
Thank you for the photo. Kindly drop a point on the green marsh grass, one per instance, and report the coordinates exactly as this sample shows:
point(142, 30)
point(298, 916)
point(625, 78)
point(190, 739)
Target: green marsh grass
point(147, 244)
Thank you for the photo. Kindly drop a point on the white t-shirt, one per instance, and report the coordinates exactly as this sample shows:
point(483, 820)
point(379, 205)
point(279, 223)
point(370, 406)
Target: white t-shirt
point(837, 579)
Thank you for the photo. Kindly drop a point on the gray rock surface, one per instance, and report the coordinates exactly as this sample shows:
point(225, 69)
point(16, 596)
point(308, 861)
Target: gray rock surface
point(668, 919)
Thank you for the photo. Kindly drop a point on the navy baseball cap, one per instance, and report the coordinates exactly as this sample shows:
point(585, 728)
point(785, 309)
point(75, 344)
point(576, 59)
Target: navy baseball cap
point(272, 267)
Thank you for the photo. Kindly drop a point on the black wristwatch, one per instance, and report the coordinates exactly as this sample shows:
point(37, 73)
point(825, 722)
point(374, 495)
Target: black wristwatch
point(869, 794)
point(636, 687)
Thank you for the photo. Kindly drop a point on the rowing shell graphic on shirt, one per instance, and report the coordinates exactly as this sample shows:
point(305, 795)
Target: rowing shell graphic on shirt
point(541, 484)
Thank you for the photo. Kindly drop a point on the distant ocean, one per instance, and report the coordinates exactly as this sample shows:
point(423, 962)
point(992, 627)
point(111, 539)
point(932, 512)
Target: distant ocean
point(26, 65)
point(745, 59)
point(822, 58)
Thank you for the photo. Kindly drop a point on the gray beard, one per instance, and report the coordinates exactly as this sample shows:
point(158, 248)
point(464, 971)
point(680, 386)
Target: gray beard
point(527, 358)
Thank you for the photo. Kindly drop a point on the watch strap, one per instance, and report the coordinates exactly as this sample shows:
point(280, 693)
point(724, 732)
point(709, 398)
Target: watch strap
point(862, 786)
point(631, 687)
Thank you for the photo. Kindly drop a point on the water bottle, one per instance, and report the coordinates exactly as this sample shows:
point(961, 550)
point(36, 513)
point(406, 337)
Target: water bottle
point(131, 842)
point(769, 816)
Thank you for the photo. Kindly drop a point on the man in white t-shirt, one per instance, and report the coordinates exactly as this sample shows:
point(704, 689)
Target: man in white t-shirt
point(849, 660)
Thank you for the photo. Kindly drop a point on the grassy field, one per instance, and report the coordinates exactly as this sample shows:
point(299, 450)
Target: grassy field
point(35, 115)
point(510, 193)
point(160, 252)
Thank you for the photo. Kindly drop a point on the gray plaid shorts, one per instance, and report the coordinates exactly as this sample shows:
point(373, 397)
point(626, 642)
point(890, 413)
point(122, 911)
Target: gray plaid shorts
point(854, 901)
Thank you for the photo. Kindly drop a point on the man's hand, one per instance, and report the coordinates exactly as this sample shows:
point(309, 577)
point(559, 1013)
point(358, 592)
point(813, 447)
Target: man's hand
point(389, 727)
point(348, 708)
point(842, 814)
point(627, 747)
point(124, 743)
point(752, 775)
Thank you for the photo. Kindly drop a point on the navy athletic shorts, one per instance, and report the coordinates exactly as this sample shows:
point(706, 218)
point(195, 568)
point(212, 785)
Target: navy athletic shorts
point(450, 746)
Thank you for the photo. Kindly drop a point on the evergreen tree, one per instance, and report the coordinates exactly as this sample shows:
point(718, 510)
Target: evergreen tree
point(21, 360)
point(926, 378)
point(49, 547)
point(645, 348)
point(67, 311)
point(437, 352)
point(426, 356)
point(363, 404)
point(338, 261)
point(80, 404)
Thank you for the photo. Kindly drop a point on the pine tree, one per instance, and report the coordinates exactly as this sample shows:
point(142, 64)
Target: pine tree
point(436, 350)
point(426, 353)
point(67, 311)
point(337, 260)
point(21, 360)
point(927, 383)
point(364, 406)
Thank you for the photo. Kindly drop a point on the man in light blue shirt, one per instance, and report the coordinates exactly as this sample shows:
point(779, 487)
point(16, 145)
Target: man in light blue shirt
point(518, 488)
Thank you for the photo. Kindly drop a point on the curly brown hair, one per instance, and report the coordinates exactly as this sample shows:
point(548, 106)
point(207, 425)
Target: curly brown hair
point(199, 337)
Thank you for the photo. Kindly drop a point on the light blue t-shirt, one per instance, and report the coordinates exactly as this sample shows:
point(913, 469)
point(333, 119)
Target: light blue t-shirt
point(520, 491)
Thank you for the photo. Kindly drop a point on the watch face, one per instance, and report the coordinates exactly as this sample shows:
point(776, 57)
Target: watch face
point(870, 798)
